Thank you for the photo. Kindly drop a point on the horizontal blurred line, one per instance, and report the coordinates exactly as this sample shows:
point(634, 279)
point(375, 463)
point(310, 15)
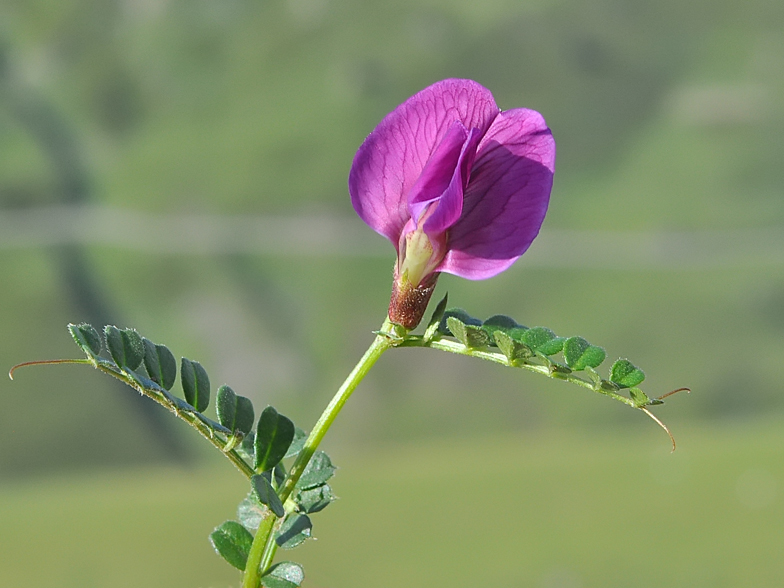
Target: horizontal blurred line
point(187, 233)
point(677, 250)
point(333, 236)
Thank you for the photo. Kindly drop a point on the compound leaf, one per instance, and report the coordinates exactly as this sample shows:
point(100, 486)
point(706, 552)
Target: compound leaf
point(536, 337)
point(500, 322)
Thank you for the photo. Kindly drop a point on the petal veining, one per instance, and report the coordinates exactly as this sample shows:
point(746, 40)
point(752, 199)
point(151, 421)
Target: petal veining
point(394, 155)
point(438, 173)
point(506, 198)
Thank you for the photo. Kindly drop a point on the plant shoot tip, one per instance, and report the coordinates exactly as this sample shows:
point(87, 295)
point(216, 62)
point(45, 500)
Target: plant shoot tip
point(661, 424)
point(44, 362)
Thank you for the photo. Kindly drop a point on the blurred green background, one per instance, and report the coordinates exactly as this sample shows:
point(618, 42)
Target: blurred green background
point(181, 167)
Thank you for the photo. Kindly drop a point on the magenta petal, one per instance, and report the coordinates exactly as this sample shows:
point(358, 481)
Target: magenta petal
point(450, 205)
point(506, 198)
point(393, 156)
point(438, 171)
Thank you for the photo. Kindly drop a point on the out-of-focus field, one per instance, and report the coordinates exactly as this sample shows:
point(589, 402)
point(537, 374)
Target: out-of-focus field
point(180, 167)
point(542, 511)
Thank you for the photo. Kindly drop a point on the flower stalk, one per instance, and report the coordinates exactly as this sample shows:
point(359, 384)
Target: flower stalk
point(263, 548)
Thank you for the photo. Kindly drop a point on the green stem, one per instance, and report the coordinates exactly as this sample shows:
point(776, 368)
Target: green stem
point(270, 547)
point(253, 569)
point(263, 548)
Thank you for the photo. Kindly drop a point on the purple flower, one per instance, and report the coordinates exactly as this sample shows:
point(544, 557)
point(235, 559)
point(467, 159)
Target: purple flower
point(457, 185)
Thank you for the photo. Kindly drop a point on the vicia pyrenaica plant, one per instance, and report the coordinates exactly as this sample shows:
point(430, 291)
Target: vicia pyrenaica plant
point(457, 186)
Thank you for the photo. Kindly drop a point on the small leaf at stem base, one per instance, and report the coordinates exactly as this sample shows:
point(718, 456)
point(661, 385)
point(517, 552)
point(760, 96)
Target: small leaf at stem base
point(232, 542)
point(294, 531)
point(640, 398)
point(286, 574)
point(514, 350)
point(435, 320)
point(250, 512)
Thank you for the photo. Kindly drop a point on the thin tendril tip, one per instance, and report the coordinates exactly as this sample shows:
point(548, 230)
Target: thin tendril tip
point(661, 424)
point(44, 362)
point(663, 396)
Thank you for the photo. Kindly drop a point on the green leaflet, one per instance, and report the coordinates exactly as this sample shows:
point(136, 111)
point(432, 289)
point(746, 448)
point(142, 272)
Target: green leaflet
point(87, 338)
point(286, 574)
point(580, 354)
point(160, 364)
point(267, 495)
point(626, 374)
point(234, 412)
point(294, 531)
point(232, 542)
point(274, 434)
point(315, 499)
point(195, 384)
point(318, 471)
point(472, 336)
point(125, 347)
